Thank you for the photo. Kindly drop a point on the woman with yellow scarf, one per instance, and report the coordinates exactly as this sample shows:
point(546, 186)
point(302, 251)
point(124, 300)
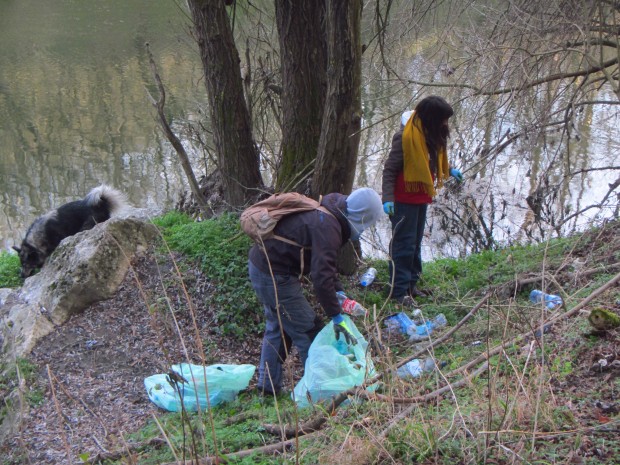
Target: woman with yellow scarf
point(417, 165)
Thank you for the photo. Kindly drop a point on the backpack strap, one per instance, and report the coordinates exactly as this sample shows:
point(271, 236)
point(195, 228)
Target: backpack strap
point(301, 247)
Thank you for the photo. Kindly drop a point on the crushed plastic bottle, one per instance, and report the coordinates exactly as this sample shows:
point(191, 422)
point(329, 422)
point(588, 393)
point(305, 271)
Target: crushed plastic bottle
point(551, 301)
point(422, 331)
point(415, 368)
point(417, 317)
point(399, 322)
point(350, 306)
point(368, 277)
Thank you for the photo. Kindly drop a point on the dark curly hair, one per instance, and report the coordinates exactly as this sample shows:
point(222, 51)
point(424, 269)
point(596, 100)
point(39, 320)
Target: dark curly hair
point(433, 111)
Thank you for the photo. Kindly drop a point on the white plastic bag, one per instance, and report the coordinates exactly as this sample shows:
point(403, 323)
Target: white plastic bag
point(224, 383)
point(333, 366)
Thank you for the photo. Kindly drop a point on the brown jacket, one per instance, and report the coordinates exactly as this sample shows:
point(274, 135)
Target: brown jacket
point(392, 168)
point(322, 236)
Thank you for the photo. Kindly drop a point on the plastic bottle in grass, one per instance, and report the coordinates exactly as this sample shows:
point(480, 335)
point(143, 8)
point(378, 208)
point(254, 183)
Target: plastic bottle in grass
point(552, 301)
point(350, 306)
point(368, 277)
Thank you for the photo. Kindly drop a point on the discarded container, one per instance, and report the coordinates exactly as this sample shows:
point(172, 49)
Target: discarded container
point(400, 322)
point(415, 368)
point(417, 332)
point(551, 301)
point(350, 306)
point(439, 321)
point(421, 332)
point(368, 277)
point(417, 317)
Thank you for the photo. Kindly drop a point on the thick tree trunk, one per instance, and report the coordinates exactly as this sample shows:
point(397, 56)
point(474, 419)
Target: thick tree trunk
point(304, 57)
point(338, 146)
point(237, 154)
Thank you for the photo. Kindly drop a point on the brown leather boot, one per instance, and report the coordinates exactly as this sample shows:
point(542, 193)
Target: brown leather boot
point(415, 292)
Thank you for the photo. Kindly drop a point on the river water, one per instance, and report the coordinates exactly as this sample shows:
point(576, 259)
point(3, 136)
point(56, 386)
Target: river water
point(74, 113)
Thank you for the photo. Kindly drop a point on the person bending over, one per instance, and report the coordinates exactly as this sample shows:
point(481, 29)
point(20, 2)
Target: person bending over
point(290, 320)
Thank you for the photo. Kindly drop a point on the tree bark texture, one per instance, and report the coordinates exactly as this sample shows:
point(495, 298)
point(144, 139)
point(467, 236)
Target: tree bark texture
point(339, 142)
point(237, 154)
point(303, 50)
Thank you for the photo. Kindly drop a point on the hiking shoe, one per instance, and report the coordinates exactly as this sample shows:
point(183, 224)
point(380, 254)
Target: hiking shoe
point(415, 292)
point(406, 302)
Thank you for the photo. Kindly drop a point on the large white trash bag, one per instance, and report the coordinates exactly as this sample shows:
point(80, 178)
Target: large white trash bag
point(224, 383)
point(333, 366)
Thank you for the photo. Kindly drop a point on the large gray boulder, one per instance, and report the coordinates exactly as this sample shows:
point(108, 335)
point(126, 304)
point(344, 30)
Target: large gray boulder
point(84, 269)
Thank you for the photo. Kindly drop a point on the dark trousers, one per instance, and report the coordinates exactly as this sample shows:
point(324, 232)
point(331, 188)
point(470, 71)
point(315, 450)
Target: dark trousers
point(408, 223)
point(295, 323)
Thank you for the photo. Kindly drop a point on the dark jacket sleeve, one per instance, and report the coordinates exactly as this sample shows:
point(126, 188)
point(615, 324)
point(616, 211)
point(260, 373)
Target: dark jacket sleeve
point(392, 168)
point(326, 242)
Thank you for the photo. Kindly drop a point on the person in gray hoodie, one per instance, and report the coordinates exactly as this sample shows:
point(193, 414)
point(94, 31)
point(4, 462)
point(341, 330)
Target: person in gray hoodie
point(290, 319)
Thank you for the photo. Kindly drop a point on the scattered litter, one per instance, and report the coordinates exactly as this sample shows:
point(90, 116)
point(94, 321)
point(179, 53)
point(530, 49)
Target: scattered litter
point(400, 322)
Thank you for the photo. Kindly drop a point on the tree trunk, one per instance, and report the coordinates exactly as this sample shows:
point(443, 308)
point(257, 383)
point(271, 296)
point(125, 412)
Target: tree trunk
point(338, 145)
point(303, 53)
point(237, 154)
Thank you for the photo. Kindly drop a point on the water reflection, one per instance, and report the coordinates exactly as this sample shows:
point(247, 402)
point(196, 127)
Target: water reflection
point(518, 187)
point(73, 104)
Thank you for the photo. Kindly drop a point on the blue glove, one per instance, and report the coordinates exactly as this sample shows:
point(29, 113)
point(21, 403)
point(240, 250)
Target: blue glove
point(341, 327)
point(456, 174)
point(388, 208)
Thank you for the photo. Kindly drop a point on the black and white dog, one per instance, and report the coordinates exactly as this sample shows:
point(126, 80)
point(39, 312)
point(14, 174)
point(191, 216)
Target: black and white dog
point(46, 232)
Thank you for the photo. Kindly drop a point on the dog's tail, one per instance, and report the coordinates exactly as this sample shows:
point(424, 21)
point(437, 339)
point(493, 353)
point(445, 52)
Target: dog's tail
point(106, 197)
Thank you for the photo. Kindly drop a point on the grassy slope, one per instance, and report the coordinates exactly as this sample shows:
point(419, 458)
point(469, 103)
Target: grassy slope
point(545, 400)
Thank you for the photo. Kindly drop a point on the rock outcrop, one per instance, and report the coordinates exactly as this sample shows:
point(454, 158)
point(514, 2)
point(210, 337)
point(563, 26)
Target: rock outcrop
point(84, 269)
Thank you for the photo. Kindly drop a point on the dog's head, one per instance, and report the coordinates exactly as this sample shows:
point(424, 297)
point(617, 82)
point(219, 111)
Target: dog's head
point(31, 259)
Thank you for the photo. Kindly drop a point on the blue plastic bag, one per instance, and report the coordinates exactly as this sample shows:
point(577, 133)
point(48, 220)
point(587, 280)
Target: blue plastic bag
point(224, 383)
point(333, 366)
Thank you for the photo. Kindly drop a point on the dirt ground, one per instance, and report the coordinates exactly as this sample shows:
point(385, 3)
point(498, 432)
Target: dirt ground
point(96, 363)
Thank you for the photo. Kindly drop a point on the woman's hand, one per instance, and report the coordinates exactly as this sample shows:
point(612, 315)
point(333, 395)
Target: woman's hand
point(388, 208)
point(456, 174)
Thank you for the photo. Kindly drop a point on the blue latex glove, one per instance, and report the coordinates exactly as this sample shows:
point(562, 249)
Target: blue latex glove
point(341, 327)
point(456, 174)
point(388, 208)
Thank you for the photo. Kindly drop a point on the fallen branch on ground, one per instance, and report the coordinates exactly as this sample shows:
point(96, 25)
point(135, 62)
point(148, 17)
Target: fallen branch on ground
point(269, 449)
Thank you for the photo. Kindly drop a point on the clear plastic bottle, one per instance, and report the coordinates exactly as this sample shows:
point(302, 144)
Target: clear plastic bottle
point(422, 331)
point(368, 277)
point(439, 321)
point(551, 301)
point(350, 306)
point(400, 322)
point(415, 368)
point(411, 369)
point(417, 317)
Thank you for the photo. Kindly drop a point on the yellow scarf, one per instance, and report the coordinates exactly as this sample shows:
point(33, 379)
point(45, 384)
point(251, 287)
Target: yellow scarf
point(416, 168)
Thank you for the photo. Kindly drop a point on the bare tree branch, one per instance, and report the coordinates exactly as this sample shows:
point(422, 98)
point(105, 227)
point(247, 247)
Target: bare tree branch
point(171, 136)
